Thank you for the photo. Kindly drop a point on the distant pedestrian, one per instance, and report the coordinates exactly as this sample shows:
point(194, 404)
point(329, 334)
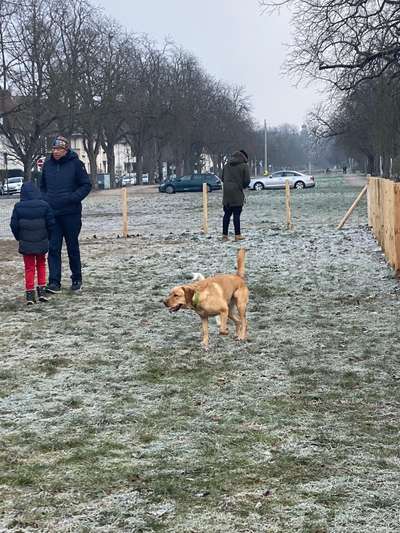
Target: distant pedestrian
point(32, 223)
point(236, 178)
point(65, 183)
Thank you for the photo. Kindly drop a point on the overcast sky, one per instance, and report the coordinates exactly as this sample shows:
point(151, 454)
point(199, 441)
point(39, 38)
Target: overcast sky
point(234, 42)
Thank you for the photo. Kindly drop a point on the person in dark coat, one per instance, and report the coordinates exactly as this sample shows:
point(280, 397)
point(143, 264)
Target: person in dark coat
point(65, 183)
point(236, 178)
point(32, 222)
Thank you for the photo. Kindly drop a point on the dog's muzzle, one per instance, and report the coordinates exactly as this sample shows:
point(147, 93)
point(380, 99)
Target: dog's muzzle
point(175, 309)
point(172, 309)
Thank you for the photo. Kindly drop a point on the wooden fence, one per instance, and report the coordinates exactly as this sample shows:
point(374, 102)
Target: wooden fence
point(384, 217)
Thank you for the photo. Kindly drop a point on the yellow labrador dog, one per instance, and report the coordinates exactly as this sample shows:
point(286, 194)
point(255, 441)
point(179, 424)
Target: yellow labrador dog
point(218, 296)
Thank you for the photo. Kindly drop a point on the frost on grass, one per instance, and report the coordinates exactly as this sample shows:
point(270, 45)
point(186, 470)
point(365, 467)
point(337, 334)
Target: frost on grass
point(114, 419)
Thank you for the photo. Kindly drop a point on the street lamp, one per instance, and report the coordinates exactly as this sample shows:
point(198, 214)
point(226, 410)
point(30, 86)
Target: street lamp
point(265, 150)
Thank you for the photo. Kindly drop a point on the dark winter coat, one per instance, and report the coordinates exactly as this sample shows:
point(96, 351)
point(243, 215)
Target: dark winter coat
point(65, 183)
point(32, 221)
point(236, 178)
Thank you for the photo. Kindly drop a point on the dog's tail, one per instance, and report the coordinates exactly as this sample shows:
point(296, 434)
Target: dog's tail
point(240, 262)
point(196, 276)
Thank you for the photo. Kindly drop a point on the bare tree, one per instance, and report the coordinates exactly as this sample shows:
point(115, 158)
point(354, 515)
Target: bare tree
point(77, 76)
point(72, 24)
point(27, 45)
point(114, 53)
point(65, 67)
point(364, 122)
point(145, 98)
point(344, 42)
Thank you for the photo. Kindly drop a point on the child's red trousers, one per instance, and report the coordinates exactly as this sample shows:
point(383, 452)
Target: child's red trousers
point(32, 264)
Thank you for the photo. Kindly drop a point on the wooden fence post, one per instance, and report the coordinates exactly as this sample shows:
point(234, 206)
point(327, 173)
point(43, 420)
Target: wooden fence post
point(352, 207)
point(288, 208)
point(205, 208)
point(124, 212)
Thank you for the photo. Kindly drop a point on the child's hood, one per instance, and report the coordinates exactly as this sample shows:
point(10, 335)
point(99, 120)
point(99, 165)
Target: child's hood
point(29, 191)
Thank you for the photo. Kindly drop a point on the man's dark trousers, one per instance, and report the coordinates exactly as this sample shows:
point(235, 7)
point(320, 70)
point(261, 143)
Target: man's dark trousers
point(67, 227)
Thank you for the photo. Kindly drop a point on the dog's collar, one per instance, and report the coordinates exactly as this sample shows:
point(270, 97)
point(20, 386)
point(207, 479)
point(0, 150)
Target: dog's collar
point(196, 299)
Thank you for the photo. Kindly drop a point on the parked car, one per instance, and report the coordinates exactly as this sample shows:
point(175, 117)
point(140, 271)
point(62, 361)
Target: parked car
point(276, 180)
point(12, 185)
point(126, 180)
point(192, 182)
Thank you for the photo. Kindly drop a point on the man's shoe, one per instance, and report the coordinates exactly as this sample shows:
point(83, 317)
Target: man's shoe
point(41, 292)
point(76, 286)
point(225, 238)
point(30, 297)
point(53, 288)
point(239, 238)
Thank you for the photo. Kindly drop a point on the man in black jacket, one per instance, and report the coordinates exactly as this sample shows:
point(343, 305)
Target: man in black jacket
point(65, 183)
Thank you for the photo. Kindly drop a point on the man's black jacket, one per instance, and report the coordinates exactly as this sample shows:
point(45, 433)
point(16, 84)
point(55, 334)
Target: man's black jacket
point(65, 183)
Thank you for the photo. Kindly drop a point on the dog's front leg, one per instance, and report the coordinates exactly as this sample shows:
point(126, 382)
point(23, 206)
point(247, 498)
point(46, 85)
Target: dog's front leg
point(204, 324)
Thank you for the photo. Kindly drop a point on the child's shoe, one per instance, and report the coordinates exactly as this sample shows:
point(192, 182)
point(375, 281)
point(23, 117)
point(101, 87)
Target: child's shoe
point(30, 297)
point(41, 292)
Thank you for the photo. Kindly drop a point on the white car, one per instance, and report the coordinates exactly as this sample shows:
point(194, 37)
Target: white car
point(276, 180)
point(125, 180)
point(12, 185)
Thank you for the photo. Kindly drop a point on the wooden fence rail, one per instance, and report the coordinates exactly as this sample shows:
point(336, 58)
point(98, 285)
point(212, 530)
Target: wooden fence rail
point(384, 217)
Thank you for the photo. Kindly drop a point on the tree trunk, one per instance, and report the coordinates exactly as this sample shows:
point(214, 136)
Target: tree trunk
point(27, 167)
point(92, 149)
point(188, 169)
point(139, 168)
point(153, 170)
point(220, 164)
point(93, 168)
point(371, 165)
point(111, 163)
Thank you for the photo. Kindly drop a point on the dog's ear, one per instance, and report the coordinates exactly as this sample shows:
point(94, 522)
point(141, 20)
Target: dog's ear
point(189, 293)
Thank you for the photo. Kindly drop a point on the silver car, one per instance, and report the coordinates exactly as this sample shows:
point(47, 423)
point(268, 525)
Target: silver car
point(276, 180)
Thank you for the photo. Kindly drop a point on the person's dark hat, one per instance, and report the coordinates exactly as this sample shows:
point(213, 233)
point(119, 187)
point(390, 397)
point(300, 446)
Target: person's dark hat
point(245, 154)
point(60, 142)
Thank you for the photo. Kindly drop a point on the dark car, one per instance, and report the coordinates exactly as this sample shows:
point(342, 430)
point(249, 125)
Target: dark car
point(191, 183)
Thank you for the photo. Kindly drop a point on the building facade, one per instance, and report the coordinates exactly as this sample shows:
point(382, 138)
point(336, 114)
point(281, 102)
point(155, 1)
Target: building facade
point(124, 159)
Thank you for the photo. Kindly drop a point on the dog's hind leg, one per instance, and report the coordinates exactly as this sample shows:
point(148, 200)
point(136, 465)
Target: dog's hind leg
point(242, 330)
point(233, 316)
point(242, 298)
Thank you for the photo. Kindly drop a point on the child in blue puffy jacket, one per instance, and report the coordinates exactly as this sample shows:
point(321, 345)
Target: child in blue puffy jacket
point(31, 223)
